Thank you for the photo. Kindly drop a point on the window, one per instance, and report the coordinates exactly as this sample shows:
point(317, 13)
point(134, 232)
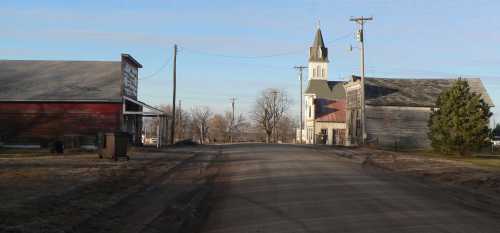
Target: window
point(323, 72)
point(309, 111)
point(314, 72)
point(318, 70)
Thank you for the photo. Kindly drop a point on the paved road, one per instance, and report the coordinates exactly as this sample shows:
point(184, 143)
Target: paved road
point(279, 188)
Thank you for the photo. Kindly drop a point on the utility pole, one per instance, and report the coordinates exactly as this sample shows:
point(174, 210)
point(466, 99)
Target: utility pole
point(181, 129)
point(232, 121)
point(360, 35)
point(301, 68)
point(172, 136)
point(275, 113)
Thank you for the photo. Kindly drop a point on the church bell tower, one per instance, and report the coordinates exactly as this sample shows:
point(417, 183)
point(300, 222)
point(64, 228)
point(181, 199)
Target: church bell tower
point(318, 58)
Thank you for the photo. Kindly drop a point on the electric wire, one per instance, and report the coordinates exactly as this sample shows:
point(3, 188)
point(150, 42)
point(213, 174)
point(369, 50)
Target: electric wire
point(292, 52)
point(157, 71)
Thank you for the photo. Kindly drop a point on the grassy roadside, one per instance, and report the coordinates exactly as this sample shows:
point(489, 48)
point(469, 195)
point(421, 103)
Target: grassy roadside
point(483, 160)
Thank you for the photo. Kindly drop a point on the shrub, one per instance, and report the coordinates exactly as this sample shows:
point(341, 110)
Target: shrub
point(459, 122)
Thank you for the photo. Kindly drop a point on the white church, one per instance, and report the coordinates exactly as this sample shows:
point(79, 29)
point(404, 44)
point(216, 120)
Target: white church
point(325, 101)
point(396, 110)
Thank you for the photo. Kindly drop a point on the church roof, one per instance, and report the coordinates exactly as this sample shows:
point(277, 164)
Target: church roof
point(318, 39)
point(413, 92)
point(318, 52)
point(331, 110)
point(323, 89)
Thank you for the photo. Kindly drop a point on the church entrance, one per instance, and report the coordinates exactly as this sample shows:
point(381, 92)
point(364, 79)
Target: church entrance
point(323, 136)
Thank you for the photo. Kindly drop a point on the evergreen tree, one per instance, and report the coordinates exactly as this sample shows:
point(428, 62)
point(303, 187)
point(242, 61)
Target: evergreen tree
point(459, 122)
point(496, 131)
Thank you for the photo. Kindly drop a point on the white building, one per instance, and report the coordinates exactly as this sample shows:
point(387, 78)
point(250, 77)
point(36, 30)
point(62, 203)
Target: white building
point(324, 121)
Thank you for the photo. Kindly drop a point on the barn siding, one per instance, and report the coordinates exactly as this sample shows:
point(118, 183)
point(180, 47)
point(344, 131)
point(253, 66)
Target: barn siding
point(405, 127)
point(37, 121)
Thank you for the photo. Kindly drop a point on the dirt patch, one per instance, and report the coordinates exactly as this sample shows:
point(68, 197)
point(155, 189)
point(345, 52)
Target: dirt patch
point(438, 170)
point(55, 193)
point(173, 201)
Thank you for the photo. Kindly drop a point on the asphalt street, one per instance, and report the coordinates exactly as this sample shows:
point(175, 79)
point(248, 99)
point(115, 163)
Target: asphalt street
point(286, 188)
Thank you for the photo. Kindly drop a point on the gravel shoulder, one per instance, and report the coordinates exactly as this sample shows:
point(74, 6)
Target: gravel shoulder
point(467, 182)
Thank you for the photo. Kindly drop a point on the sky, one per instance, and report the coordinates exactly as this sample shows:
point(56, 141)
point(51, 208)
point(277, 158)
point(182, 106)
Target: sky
point(238, 48)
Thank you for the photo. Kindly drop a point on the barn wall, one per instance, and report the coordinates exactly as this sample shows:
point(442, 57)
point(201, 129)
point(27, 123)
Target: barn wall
point(404, 127)
point(45, 121)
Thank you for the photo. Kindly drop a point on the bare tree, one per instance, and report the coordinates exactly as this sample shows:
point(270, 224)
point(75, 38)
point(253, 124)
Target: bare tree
point(240, 128)
point(285, 129)
point(271, 105)
point(219, 128)
point(200, 117)
point(182, 124)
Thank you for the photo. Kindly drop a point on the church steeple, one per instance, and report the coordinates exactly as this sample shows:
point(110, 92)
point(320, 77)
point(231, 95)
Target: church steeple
point(318, 52)
point(318, 39)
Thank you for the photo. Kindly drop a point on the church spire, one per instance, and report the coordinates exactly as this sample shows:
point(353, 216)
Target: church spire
point(318, 51)
point(318, 39)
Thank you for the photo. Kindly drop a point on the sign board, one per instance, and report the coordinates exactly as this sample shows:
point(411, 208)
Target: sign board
point(130, 80)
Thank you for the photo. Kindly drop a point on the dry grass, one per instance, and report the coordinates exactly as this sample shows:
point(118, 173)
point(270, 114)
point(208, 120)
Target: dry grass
point(19, 153)
point(40, 189)
point(482, 160)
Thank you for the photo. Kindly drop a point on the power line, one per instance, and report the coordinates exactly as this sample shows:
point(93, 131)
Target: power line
point(167, 62)
point(183, 48)
point(344, 36)
point(240, 57)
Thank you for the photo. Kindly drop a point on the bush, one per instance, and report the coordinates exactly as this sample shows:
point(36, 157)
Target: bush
point(496, 131)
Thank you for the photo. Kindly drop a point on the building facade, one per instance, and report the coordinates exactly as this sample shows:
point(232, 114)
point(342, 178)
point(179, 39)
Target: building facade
point(324, 121)
point(72, 101)
point(397, 110)
point(396, 113)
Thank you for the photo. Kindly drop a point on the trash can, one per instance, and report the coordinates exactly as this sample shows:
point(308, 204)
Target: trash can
point(113, 145)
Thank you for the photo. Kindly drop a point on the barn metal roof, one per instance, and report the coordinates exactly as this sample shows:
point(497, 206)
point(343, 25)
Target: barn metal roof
point(413, 92)
point(330, 90)
point(28, 80)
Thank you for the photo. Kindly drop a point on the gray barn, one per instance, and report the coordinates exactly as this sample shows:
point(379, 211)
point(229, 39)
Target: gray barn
point(397, 110)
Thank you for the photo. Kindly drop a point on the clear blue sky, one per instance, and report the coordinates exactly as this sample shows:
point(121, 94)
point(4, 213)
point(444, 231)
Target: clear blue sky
point(407, 39)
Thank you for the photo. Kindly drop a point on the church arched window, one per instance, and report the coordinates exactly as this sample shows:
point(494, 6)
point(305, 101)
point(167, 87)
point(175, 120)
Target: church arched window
point(319, 71)
point(314, 72)
point(323, 72)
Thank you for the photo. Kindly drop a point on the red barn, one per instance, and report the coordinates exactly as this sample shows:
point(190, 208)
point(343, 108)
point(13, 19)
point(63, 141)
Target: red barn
point(41, 101)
